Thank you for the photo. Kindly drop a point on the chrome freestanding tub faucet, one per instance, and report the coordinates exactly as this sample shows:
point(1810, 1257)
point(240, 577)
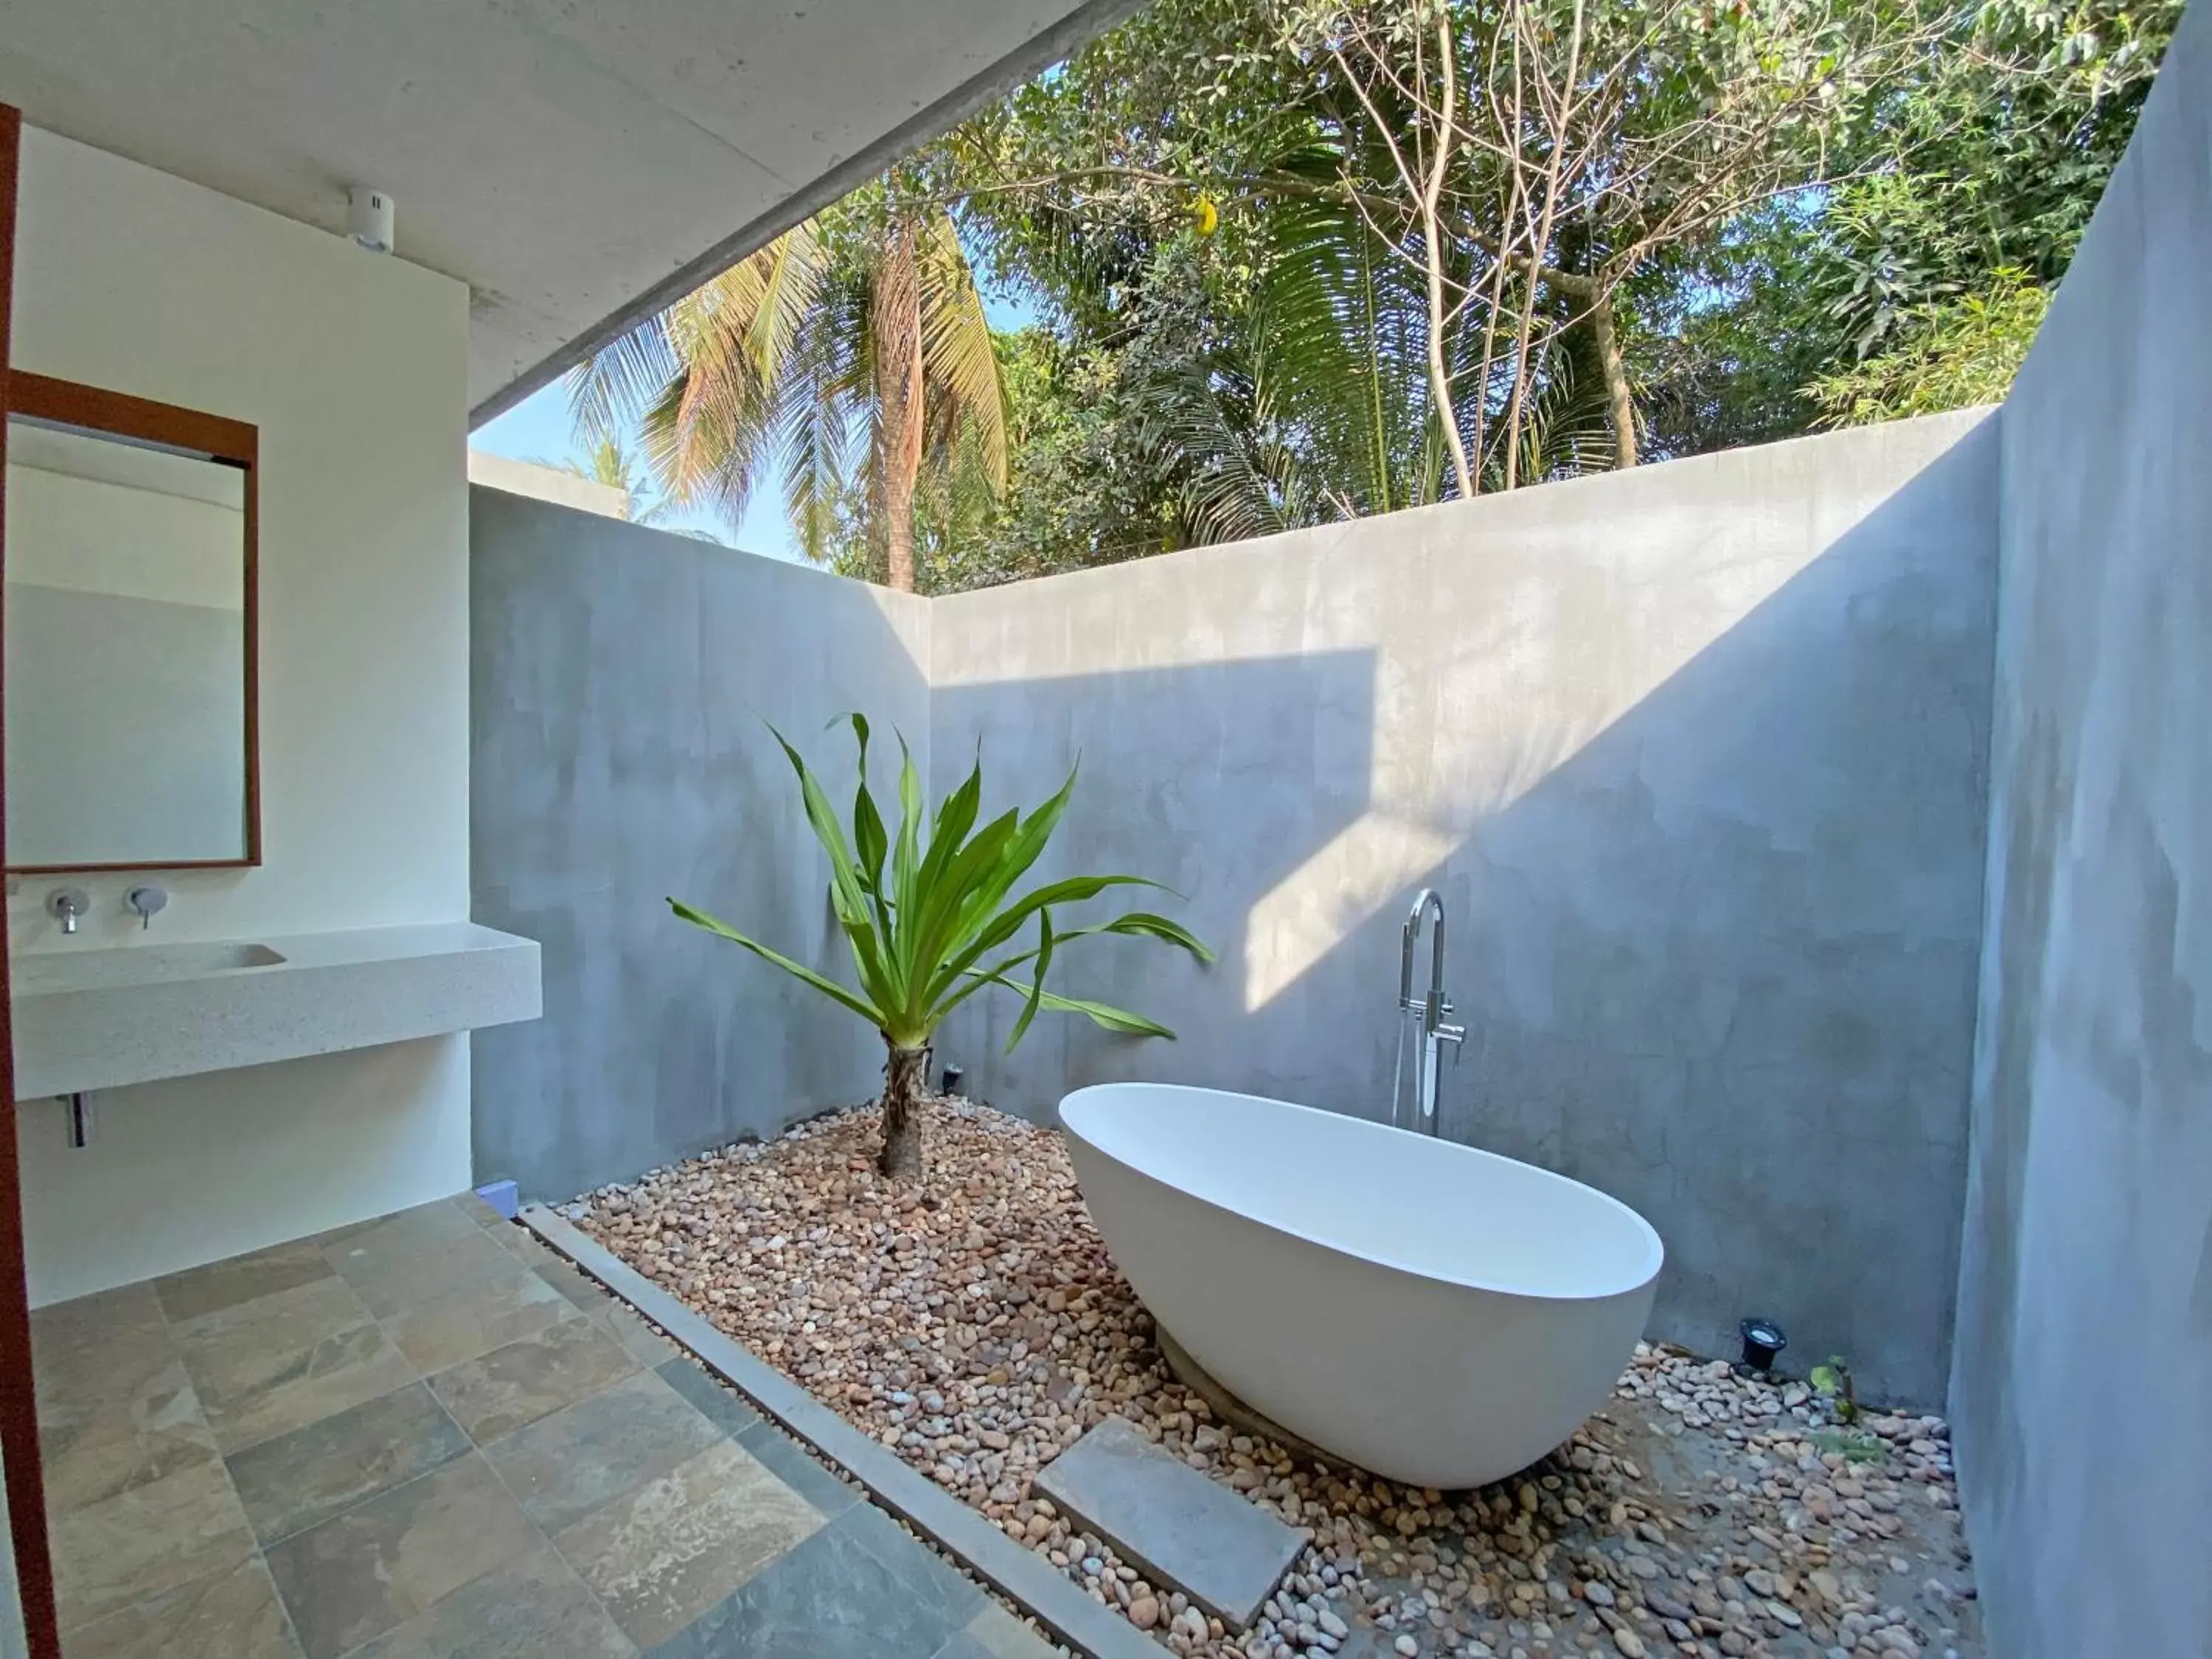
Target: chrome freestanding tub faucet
point(1424, 1015)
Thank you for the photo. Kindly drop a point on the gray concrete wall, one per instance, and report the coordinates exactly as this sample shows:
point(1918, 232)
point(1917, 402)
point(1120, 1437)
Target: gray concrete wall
point(2082, 1394)
point(620, 678)
point(1696, 756)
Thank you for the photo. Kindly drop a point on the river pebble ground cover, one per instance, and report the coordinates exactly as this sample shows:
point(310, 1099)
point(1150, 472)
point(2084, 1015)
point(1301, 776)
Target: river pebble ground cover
point(975, 1325)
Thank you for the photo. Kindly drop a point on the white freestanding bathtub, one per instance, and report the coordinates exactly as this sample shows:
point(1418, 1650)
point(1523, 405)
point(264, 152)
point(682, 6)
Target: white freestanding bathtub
point(1440, 1316)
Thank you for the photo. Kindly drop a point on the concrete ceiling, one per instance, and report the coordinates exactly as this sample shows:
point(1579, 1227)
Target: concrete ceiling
point(577, 162)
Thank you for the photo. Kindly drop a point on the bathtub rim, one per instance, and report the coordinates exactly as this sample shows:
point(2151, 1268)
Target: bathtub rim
point(1654, 1254)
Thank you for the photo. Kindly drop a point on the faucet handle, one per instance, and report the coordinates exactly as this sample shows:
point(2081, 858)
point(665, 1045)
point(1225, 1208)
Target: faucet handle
point(1454, 1035)
point(149, 901)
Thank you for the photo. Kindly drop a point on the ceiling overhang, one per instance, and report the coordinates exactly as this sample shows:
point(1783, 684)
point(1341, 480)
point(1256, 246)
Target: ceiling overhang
point(578, 163)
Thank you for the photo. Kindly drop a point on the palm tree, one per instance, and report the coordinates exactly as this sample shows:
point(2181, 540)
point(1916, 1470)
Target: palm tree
point(609, 462)
point(1318, 406)
point(852, 350)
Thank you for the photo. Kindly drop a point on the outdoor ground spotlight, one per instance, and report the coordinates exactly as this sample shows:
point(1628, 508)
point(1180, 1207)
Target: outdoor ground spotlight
point(1762, 1341)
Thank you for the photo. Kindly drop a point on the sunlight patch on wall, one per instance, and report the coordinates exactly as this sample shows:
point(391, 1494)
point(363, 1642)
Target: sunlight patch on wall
point(1310, 911)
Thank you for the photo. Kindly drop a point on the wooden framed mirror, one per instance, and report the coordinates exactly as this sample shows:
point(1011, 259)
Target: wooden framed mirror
point(131, 738)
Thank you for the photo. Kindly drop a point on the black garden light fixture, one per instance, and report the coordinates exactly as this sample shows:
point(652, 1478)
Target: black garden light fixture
point(1763, 1341)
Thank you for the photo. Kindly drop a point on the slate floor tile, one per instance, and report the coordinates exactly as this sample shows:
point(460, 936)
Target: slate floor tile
point(994, 1634)
point(231, 1614)
point(146, 1541)
point(809, 1479)
point(574, 1283)
point(667, 1552)
point(156, 1431)
point(200, 1291)
point(647, 1346)
point(535, 1609)
point(474, 1207)
point(385, 1239)
point(401, 1519)
point(523, 1245)
point(482, 1315)
point(301, 1479)
point(356, 1576)
point(513, 1386)
point(390, 1279)
point(90, 1320)
point(96, 1352)
point(718, 1405)
point(265, 1367)
point(564, 1467)
point(858, 1588)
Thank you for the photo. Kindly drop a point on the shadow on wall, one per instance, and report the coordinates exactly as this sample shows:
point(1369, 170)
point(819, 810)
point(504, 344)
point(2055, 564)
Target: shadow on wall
point(1714, 935)
point(1221, 781)
point(620, 679)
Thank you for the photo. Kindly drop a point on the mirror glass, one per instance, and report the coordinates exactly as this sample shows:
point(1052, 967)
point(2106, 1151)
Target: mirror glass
point(127, 581)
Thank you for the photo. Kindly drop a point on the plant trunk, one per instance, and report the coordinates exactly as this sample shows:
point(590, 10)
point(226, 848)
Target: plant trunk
point(1620, 405)
point(897, 326)
point(904, 1084)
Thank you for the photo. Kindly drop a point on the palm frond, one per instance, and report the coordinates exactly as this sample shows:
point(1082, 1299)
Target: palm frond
point(959, 364)
point(769, 369)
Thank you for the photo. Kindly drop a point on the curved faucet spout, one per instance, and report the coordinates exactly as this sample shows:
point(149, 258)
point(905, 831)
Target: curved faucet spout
point(1426, 1013)
point(1426, 902)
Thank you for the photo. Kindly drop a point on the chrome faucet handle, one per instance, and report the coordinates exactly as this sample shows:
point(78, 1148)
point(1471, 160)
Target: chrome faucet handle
point(67, 904)
point(149, 901)
point(1454, 1035)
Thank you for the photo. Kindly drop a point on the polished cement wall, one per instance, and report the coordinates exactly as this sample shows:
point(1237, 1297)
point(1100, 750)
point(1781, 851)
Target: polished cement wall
point(2083, 1392)
point(624, 681)
point(1695, 756)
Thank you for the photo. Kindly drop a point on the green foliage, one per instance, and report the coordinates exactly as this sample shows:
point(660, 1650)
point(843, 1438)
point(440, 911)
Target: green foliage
point(1953, 355)
point(1832, 1382)
point(770, 370)
point(1802, 212)
point(1971, 179)
point(924, 905)
point(1852, 1445)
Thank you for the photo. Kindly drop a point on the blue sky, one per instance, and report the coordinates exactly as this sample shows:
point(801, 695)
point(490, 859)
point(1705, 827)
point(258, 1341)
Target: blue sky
point(537, 429)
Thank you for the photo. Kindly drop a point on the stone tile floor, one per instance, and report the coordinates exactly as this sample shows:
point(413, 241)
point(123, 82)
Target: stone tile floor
point(427, 1437)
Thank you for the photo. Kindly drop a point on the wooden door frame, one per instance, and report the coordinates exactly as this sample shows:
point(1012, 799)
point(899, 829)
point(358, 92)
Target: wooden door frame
point(19, 1410)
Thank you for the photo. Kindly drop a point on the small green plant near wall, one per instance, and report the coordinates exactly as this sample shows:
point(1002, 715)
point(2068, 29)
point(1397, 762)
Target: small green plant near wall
point(924, 907)
point(1832, 1383)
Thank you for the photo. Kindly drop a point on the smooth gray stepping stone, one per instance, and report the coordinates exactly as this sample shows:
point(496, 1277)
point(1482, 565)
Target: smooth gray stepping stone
point(1174, 1525)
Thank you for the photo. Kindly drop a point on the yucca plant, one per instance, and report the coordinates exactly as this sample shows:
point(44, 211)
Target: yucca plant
point(923, 909)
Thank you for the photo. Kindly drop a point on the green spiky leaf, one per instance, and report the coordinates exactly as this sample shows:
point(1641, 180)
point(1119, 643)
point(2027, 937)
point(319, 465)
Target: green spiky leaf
point(922, 904)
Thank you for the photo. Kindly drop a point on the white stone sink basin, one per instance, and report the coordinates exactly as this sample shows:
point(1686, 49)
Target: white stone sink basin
point(59, 970)
point(108, 1018)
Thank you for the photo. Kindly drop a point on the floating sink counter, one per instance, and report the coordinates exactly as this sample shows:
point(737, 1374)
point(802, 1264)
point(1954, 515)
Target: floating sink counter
point(106, 1018)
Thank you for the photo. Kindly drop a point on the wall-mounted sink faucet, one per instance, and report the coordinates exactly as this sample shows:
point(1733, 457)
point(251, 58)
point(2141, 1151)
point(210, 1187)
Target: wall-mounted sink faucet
point(68, 904)
point(1424, 1014)
point(149, 901)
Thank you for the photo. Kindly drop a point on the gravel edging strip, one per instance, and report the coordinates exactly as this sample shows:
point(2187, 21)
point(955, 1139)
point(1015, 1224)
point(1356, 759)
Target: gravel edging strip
point(1010, 1567)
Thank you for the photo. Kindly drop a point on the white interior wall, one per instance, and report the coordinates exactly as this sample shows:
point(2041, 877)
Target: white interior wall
point(354, 369)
